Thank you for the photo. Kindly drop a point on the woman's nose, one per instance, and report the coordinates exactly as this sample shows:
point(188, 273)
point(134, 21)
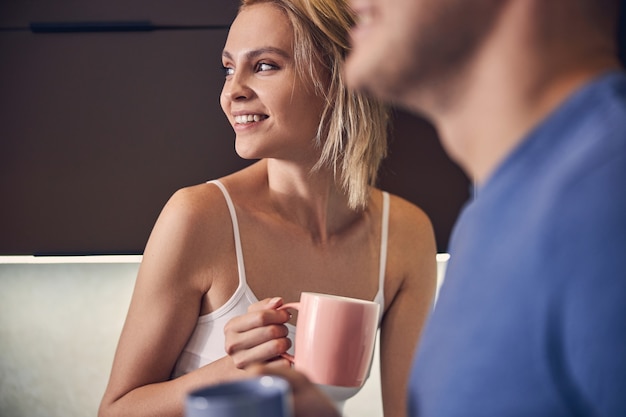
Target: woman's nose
point(237, 88)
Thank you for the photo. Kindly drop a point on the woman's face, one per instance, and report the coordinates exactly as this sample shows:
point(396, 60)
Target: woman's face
point(273, 112)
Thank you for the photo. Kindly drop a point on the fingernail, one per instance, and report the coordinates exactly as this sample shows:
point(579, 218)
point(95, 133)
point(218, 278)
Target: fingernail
point(274, 300)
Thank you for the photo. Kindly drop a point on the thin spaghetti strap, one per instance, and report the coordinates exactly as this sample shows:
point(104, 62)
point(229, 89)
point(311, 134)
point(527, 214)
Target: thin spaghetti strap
point(384, 236)
point(233, 217)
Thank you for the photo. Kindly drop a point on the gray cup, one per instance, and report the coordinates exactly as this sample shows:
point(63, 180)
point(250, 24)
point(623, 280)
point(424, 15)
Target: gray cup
point(265, 396)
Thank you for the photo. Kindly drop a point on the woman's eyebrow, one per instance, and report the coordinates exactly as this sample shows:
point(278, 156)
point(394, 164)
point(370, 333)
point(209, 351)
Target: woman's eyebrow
point(260, 51)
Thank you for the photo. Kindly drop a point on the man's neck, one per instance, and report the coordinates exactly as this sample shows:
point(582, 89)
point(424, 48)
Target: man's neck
point(511, 85)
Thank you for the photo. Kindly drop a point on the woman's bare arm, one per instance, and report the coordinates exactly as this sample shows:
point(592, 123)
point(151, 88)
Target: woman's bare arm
point(411, 249)
point(164, 309)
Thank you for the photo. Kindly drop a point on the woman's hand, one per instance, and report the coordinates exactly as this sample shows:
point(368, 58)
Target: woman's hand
point(259, 336)
point(308, 400)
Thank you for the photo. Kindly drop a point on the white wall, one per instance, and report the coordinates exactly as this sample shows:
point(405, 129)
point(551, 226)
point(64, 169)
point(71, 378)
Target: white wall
point(59, 325)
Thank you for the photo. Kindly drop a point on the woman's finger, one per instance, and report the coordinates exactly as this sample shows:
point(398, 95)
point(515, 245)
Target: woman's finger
point(255, 319)
point(236, 342)
point(268, 303)
point(261, 353)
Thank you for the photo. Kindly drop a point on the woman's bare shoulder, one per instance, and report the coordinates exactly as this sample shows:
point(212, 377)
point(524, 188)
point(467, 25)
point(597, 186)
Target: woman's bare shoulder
point(412, 249)
point(407, 215)
point(201, 210)
point(193, 223)
point(201, 205)
point(410, 228)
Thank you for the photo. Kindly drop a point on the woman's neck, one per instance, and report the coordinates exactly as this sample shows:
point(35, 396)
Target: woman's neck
point(309, 199)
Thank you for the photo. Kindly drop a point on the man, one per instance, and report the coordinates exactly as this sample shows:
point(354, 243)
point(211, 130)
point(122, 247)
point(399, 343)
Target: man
point(529, 99)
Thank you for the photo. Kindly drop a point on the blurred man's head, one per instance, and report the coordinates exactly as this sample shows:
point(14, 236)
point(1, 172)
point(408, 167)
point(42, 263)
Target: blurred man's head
point(403, 49)
point(401, 45)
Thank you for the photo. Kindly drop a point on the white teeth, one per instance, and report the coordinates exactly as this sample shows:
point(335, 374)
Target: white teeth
point(248, 118)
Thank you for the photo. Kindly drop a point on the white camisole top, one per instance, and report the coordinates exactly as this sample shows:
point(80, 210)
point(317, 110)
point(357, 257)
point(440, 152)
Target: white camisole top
point(207, 341)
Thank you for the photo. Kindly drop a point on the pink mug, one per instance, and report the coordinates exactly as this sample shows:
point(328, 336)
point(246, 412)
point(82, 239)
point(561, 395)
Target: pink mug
point(335, 338)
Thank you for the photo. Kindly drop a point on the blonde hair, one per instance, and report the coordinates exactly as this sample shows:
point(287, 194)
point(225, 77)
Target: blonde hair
point(352, 133)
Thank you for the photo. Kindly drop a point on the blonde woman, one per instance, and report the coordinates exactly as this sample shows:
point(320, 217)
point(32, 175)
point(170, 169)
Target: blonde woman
point(305, 217)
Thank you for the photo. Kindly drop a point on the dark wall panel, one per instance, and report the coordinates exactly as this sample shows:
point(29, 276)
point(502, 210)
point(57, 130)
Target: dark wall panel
point(21, 13)
point(98, 129)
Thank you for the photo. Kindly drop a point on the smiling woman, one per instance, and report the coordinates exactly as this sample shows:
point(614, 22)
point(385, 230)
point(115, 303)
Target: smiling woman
point(305, 217)
point(274, 112)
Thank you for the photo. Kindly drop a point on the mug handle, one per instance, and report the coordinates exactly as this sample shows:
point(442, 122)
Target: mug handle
point(295, 306)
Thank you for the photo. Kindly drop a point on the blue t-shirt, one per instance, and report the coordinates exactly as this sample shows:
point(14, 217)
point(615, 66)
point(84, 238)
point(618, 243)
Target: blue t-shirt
point(531, 318)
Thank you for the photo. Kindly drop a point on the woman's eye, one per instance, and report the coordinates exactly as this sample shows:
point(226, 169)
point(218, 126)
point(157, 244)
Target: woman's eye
point(227, 70)
point(263, 66)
